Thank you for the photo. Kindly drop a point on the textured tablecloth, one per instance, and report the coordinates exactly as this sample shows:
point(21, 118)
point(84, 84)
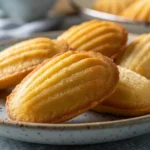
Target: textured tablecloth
point(15, 29)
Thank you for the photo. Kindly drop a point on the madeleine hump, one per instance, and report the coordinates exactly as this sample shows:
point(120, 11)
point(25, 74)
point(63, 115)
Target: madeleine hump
point(63, 87)
point(19, 60)
point(108, 38)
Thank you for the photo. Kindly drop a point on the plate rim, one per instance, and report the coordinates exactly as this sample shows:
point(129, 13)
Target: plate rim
point(93, 125)
point(103, 124)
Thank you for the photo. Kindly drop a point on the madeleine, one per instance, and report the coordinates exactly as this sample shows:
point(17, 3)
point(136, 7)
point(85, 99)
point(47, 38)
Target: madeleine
point(63, 87)
point(131, 97)
point(112, 6)
point(18, 60)
point(137, 56)
point(139, 10)
point(105, 37)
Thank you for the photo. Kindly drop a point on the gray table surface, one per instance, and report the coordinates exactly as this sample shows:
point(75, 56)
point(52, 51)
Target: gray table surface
point(137, 143)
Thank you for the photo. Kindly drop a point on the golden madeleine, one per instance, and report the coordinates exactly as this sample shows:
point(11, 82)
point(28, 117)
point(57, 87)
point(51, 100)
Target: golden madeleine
point(105, 37)
point(136, 57)
point(63, 87)
point(139, 10)
point(112, 6)
point(18, 60)
point(131, 97)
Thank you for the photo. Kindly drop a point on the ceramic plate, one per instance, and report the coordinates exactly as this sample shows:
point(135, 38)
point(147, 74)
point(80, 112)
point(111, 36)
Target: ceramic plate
point(84, 7)
point(87, 128)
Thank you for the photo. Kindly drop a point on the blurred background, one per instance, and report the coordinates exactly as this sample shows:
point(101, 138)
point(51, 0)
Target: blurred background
point(21, 18)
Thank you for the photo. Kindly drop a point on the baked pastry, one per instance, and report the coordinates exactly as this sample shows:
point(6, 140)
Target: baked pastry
point(136, 57)
point(18, 60)
point(105, 37)
point(139, 10)
point(63, 87)
point(131, 98)
point(112, 6)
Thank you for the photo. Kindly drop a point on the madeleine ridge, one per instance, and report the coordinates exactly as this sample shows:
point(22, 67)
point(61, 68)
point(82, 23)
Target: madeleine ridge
point(108, 38)
point(19, 60)
point(131, 97)
point(63, 87)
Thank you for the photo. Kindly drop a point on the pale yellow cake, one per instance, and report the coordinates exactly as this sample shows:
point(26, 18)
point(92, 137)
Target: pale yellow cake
point(131, 98)
point(105, 37)
point(112, 6)
point(136, 56)
point(63, 87)
point(139, 10)
point(18, 60)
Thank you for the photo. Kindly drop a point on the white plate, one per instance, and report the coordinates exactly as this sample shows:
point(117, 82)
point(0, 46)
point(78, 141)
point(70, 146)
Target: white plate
point(85, 8)
point(87, 128)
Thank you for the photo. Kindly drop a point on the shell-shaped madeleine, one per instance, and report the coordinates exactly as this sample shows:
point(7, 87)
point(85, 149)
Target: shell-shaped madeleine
point(131, 97)
point(18, 60)
point(136, 57)
point(63, 87)
point(139, 10)
point(112, 6)
point(105, 37)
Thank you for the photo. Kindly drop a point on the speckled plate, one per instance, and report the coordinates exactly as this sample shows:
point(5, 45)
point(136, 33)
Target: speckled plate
point(87, 128)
